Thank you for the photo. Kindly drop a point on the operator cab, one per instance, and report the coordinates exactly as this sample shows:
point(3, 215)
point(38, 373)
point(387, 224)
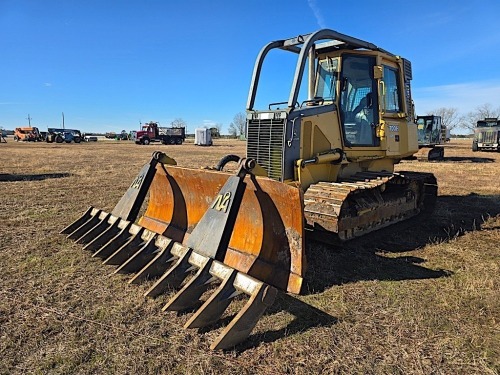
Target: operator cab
point(346, 94)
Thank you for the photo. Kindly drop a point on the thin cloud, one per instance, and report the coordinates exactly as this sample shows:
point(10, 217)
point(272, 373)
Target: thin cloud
point(465, 96)
point(317, 13)
point(47, 84)
point(208, 123)
point(437, 19)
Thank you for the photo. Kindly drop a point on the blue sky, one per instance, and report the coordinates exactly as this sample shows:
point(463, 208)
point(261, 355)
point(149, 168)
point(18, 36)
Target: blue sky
point(110, 64)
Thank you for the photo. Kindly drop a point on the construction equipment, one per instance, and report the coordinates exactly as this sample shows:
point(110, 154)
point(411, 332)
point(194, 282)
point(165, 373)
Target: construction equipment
point(123, 136)
point(27, 134)
point(110, 135)
point(324, 164)
point(153, 132)
point(431, 134)
point(487, 135)
point(63, 135)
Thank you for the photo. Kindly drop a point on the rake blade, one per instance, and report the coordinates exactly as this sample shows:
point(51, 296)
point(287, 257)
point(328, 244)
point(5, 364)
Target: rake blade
point(152, 255)
point(214, 239)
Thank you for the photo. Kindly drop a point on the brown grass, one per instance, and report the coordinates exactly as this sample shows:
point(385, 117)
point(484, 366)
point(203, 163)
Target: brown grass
point(420, 297)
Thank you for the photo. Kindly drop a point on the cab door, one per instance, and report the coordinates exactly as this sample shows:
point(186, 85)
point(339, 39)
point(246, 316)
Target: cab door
point(359, 101)
point(393, 116)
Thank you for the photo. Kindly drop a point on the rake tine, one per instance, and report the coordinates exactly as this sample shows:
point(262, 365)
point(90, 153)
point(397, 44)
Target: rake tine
point(121, 250)
point(190, 293)
point(162, 257)
point(173, 278)
point(108, 235)
point(116, 241)
point(244, 322)
point(215, 305)
point(85, 227)
point(95, 231)
point(91, 212)
point(145, 251)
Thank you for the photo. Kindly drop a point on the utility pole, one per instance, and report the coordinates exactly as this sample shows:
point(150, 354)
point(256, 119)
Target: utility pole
point(29, 120)
point(63, 119)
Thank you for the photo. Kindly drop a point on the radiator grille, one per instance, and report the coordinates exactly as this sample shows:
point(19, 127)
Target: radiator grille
point(488, 136)
point(265, 144)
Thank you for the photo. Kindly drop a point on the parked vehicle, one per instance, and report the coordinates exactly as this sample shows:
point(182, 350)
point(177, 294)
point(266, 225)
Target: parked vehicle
point(123, 136)
point(3, 135)
point(487, 135)
point(27, 134)
point(432, 135)
point(152, 132)
point(63, 135)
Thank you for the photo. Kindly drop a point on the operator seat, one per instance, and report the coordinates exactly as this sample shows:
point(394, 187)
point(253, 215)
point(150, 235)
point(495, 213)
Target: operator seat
point(363, 115)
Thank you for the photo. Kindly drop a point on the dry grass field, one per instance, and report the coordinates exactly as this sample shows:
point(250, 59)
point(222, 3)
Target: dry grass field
point(421, 297)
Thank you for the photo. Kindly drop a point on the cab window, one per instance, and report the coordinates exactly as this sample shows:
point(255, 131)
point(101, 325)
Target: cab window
point(392, 96)
point(327, 79)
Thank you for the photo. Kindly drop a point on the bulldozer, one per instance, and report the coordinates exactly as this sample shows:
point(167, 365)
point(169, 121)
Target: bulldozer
point(322, 166)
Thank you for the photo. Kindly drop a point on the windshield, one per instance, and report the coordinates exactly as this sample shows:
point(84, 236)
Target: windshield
point(327, 79)
point(488, 124)
point(424, 124)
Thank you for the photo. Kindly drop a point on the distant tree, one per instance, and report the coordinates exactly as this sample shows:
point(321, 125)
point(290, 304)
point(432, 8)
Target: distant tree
point(486, 110)
point(178, 123)
point(449, 116)
point(470, 119)
point(218, 126)
point(237, 127)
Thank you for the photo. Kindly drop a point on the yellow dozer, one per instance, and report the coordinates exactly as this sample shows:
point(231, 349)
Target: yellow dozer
point(323, 165)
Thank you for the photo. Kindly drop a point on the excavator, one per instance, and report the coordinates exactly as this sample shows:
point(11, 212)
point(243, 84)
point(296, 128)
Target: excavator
point(322, 165)
point(432, 135)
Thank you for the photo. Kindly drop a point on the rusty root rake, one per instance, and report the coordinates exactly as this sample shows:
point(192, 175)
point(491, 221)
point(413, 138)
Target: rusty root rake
point(149, 255)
